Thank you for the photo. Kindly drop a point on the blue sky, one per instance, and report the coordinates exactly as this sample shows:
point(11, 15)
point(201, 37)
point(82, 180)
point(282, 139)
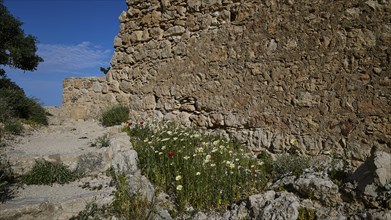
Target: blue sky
point(75, 38)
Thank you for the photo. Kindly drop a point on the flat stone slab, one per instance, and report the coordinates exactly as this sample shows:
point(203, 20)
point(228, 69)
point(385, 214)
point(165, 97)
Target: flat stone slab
point(57, 201)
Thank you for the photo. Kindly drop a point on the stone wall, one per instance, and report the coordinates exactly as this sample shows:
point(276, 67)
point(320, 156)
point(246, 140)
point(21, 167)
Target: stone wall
point(301, 76)
point(85, 97)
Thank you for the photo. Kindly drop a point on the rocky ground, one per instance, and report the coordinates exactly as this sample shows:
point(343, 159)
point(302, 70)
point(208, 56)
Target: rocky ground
point(70, 142)
point(362, 194)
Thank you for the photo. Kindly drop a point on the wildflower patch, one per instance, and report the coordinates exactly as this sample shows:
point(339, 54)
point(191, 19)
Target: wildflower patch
point(196, 169)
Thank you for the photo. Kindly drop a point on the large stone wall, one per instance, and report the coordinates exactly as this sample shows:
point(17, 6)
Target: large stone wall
point(294, 75)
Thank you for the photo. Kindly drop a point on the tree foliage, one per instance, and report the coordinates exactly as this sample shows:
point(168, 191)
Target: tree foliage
point(16, 49)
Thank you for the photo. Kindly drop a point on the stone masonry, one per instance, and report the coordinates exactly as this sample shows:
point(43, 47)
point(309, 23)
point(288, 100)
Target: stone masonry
point(301, 76)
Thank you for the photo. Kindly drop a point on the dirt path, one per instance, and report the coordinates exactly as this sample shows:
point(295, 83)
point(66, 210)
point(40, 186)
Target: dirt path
point(63, 140)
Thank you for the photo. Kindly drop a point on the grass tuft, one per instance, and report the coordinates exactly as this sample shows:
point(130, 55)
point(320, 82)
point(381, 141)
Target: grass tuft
point(101, 142)
point(114, 115)
point(127, 204)
point(47, 173)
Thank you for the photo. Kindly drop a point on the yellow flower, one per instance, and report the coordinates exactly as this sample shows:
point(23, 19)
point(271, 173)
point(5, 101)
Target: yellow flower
point(198, 173)
point(216, 142)
point(179, 177)
point(164, 147)
point(179, 187)
point(186, 157)
point(208, 157)
point(293, 142)
point(200, 150)
point(221, 147)
point(160, 153)
point(329, 152)
point(213, 165)
point(232, 165)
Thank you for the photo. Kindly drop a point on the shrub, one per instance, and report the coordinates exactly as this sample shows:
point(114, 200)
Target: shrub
point(289, 164)
point(13, 126)
point(15, 104)
point(194, 168)
point(114, 115)
point(6, 179)
point(47, 173)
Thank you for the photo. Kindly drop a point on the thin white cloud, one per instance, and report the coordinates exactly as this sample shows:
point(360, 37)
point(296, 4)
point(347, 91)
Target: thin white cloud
point(60, 58)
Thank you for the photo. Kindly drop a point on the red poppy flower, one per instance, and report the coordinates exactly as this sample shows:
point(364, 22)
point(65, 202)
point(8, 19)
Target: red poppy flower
point(170, 153)
point(142, 123)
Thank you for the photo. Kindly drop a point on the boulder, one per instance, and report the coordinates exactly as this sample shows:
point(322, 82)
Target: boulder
point(372, 177)
point(274, 205)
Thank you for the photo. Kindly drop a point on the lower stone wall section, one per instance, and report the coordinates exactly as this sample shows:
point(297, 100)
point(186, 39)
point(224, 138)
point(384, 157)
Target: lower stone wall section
point(84, 98)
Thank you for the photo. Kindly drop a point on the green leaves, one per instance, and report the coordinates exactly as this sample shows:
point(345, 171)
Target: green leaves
point(16, 49)
point(47, 173)
point(203, 170)
point(114, 115)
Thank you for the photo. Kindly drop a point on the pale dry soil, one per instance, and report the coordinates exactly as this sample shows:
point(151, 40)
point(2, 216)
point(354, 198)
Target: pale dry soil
point(63, 140)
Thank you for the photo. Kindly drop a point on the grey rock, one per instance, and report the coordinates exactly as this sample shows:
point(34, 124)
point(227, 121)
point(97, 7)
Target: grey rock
point(372, 176)
point(274, 205)
point(120, 155)
point(140, 184)
point(317, 186)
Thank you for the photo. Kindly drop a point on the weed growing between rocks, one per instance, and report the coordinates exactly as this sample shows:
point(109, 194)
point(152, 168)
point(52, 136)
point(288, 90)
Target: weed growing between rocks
point(196, 169)
point(47, 173)
point(306, 214)
point(289, 164)
point(125, 205)
point(100, 142)
point(114, 115)
point(91, 211)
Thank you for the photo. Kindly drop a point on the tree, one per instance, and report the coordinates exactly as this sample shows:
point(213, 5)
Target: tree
point(16, 49)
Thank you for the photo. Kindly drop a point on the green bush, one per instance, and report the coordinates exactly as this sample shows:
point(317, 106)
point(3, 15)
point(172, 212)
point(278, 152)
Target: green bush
point(114, 115)
point(6, 178)
point(13, 126)
point(15, 104)
point(47, 173)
